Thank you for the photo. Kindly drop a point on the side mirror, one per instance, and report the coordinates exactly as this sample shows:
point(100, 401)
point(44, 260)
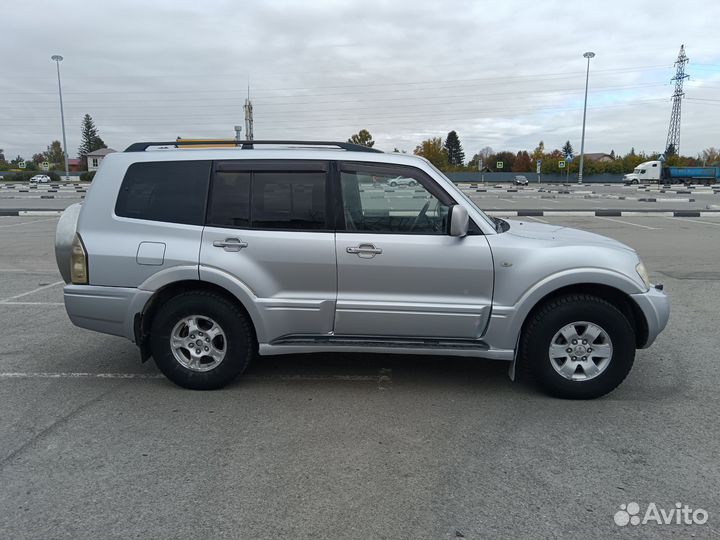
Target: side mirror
point(458, 221)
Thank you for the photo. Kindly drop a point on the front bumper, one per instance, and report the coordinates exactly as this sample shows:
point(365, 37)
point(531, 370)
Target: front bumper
point(110, 310)
point(655, 306)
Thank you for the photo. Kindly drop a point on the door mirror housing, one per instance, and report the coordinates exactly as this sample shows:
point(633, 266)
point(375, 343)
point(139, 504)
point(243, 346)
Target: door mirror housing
point(458, 220)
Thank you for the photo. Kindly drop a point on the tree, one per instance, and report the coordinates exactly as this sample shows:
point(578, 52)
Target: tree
point(539, 151)
point(434, 152)
point(456, 156)
point(612, 154)
point(507, 158)
point(709, 156)
point(2, 154)
point(38, 158)
point(363, 138)
point(567, 150)
point(484, 155)
point(91, 141)
point(523, 163)
point(54, 152)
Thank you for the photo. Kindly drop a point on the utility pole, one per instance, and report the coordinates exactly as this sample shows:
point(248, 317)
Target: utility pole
point(673, 137)
point(57, 59)
point(587, 55)
point(238, 129)
point(248, 116)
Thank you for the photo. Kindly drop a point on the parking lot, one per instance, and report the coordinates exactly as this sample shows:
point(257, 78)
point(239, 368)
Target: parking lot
point(94, 444)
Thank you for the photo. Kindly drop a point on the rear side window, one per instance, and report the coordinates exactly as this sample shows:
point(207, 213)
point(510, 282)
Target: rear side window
point(170, 191)
point(285, 200)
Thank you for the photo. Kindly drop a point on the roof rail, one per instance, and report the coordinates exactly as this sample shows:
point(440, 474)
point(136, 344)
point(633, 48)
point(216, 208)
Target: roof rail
point(245, 145)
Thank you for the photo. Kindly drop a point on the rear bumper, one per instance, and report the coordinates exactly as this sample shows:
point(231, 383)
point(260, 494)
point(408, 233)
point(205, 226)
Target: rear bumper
point(110, 310)
point(655, 305)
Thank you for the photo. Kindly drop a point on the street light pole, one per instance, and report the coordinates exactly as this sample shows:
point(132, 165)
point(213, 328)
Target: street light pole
point(587, 55)
point(57, 58)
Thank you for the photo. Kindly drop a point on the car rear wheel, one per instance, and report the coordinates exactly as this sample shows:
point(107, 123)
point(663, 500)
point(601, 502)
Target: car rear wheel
point(201, 340)
point(578, 347)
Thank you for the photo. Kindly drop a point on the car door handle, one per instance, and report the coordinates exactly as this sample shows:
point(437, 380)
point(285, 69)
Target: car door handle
point(364, 250)
point(230, 244)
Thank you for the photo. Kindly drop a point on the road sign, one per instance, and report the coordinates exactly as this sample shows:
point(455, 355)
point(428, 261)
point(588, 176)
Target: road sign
point(499, 164)
point(561, 164)
point(21, 164)
point(539, 162)
point(569, 159)
point(45, 166)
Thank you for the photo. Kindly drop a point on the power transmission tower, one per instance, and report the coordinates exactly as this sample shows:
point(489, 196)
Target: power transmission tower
point(248, 117)
point(673, 137)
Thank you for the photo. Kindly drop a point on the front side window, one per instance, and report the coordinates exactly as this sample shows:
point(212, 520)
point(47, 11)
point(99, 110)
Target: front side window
point(285, 200)
point(170, 191)
point(394, 200)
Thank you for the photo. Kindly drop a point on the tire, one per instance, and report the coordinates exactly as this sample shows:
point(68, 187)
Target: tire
point(393, 184)
point(233, 347)
point(412, 183)
point(634, 182)
point(569, 376)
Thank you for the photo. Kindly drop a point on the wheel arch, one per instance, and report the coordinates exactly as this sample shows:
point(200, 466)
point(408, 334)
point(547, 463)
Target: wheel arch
point(143, 320)
point(618, 298)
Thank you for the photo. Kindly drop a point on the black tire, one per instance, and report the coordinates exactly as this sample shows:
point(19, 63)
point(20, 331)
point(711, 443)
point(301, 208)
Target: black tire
point(412, 183)
point(240, 343)
point(393, 184)
point(542, 326)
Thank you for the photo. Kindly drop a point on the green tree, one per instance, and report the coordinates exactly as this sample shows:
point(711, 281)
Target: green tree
point(91, 140)
point(456, 156)
point(54, 152)
point(507, 158)
point(539, 151)
point(434, 152)
point(2, 155)
point(710, 156)
point(567, 150)
point(363, 138)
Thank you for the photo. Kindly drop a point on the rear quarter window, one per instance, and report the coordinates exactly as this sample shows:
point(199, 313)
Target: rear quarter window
point(169, 191)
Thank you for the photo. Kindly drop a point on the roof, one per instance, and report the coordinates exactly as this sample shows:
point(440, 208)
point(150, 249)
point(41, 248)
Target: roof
point(73, 161)
point(101, 152)
point(597, 155)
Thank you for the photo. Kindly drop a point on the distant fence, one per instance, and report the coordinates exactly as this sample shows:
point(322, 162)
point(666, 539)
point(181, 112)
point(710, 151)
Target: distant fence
point(497, 177)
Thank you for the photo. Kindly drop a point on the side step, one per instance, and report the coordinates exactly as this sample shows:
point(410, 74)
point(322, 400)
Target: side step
point(395, 342)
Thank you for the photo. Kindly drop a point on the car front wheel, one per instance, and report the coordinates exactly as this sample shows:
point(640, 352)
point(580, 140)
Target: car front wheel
point(578, 347)
point(201, 340)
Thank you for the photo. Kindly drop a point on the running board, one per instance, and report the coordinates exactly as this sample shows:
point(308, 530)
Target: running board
point(399, 345)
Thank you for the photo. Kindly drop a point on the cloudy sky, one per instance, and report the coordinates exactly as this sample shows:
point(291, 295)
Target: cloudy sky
point(503, 74)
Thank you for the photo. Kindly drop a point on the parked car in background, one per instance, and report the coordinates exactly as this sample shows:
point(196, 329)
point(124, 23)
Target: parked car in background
point(40, 179)
point(210, 257)
point(520, 180)
point(401, 181)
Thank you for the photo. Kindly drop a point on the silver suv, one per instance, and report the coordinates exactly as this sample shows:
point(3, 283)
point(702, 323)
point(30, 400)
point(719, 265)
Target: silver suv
point(206, 257)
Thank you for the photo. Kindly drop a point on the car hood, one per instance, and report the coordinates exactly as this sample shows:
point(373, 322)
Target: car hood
point(562, 236)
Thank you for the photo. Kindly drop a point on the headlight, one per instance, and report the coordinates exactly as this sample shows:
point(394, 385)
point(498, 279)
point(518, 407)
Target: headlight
point(642, 272)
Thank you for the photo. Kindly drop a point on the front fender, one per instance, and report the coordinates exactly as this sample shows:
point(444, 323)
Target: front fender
point(506, 320)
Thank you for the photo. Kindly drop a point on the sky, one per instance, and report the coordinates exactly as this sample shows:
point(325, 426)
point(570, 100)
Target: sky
point(501, 74)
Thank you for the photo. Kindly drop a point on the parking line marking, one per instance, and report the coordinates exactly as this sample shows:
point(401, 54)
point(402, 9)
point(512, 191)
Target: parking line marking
point(694, 221)
point(627, 223)
point(33, 291)
point(31, 303)
point(535, 219)
point(26, 222)
point(383, 380)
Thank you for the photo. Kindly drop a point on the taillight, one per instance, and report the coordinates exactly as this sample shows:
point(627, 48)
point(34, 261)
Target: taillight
point(78, 262)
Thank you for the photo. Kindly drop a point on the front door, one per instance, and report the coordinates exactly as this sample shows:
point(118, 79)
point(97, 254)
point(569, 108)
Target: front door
point(399, 273)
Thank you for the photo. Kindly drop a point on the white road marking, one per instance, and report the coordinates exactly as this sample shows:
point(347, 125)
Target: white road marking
point(534, 219)
point(627, 223)
point(31, 303)
point(33, 291)
point(382, 380)
point(27, 222)
point(696, 221)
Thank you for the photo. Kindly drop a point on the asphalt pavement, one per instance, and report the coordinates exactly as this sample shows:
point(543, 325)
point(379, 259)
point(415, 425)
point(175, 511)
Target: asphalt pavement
point(94, 444)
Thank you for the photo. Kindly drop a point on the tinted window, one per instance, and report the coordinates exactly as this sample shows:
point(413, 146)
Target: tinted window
point(288, 200)
point(171, 191)
point(230, 200)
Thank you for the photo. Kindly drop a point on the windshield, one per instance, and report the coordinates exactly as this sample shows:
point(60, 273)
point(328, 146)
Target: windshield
point(459, 191)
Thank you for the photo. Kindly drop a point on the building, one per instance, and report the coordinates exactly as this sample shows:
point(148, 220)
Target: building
point(95, 157)
point(73, 165)
point(598, 156)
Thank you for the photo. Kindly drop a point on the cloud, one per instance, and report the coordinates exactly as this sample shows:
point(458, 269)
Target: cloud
point(503, 75)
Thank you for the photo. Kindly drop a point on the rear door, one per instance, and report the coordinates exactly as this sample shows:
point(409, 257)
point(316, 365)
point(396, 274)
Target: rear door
point(269, 225)
point(399, 273)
